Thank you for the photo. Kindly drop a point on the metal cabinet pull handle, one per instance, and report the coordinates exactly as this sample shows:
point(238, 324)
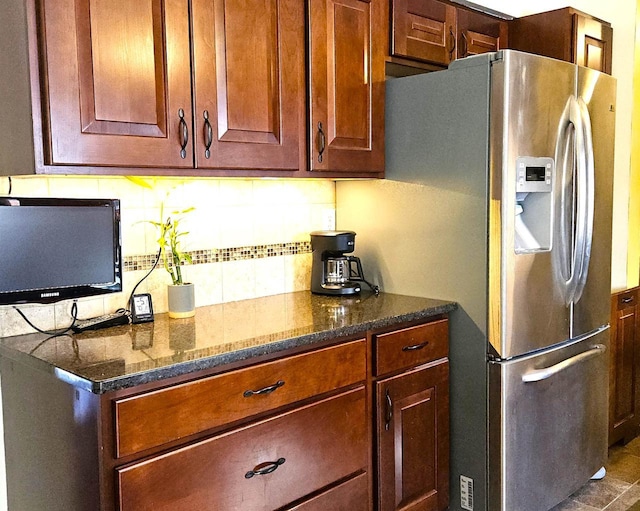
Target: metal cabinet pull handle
point(389, 411)
point(321, 142)
point(452, 40)
point(627, 299)
point(184, 134)
point(415, 347)
point(266, 468)
point(208, 134)
point(464, 48)
point(547, 372)
point(266, 390)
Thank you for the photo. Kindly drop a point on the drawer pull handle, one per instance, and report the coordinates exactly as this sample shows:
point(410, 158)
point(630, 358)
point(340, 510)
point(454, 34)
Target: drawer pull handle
point(266, 390)
point(389, 414)
point(266, 468)
point(415, 346)
point(627, 299)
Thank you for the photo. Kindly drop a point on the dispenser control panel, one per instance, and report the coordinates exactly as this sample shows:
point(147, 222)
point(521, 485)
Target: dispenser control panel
point(534, 174)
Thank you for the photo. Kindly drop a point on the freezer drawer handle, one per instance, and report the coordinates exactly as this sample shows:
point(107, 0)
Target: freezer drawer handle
point(543, 374)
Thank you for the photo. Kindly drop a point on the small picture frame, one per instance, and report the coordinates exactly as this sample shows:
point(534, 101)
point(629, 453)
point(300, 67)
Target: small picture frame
point(141, 308)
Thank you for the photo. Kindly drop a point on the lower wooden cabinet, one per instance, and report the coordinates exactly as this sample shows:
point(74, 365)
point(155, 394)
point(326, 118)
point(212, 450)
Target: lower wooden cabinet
point(413, 439)
point(412, 423)
point(354, 425)
point(624, 368)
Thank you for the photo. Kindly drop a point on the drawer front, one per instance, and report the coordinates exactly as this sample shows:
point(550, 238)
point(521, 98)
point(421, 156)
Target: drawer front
point(412, 346)
point(169, 414)
point(352, 495)
point(261, 467)
point(627, 299)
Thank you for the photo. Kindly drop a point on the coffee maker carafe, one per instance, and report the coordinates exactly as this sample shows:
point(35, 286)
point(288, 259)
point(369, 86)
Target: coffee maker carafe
point(333, 272)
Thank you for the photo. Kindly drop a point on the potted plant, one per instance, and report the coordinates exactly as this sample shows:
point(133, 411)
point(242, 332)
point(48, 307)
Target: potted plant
point(181, 296)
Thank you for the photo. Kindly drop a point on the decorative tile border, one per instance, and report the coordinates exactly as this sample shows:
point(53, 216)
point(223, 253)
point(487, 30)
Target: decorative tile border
point(217, 255)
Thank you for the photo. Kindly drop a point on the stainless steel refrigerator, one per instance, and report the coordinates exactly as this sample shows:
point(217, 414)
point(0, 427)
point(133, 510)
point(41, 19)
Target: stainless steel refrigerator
point(498, 195)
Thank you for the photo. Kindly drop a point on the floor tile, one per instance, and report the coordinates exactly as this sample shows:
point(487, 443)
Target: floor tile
point(599, 494)
point(623, 464)
point(628, 501)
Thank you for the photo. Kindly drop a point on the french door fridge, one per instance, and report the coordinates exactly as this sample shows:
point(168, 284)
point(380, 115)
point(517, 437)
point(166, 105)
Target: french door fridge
point(498, 195)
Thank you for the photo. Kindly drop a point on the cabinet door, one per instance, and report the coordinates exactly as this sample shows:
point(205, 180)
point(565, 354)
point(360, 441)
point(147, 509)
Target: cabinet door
point(479, 33)
point(117, 83)
point(249, 64)
point(593, 43)
point(347, 85)
point(424, 30)
point(413, 439)
point(624, 381)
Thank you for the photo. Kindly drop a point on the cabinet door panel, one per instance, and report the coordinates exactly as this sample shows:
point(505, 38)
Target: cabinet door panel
point(593, 43)
point(479, 33)
point(249, 79)
point(413, 440)
point(347, 85)
point(118, 102)
point(298, 453)
point(424, 30)
point(624, 380)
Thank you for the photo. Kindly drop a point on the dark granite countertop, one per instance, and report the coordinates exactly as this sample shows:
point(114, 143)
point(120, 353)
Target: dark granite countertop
point(125, 356)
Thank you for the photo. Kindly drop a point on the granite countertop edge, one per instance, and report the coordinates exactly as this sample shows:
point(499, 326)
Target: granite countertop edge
point(191, 366)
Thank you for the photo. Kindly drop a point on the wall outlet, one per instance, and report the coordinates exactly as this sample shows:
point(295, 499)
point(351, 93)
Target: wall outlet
point(329, 220)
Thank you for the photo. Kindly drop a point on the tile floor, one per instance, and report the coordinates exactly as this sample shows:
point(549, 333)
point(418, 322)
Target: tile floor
point(618, 491)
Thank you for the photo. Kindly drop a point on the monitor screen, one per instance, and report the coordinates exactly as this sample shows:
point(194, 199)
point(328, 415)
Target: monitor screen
point(56, 249)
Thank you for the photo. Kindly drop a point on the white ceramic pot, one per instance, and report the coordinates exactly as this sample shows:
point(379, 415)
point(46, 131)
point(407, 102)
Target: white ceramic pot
point(182, 301)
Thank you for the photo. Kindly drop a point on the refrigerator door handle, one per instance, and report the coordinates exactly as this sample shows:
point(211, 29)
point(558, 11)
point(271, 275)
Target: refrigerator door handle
point(586, 197)
point(547, 372)
point(566, 251)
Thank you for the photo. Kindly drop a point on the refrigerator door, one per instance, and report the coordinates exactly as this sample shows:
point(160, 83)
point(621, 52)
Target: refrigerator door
point(597, 93)
point(552, 433)
point(529, 96)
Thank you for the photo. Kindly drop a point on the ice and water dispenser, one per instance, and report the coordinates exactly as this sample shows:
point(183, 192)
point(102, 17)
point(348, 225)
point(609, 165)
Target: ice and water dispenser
point(533, 215)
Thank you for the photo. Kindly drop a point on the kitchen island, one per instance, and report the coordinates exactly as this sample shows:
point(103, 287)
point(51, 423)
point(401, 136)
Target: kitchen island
point(270, 403)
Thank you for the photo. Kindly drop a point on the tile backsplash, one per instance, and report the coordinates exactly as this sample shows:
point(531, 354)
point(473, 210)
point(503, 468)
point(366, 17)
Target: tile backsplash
point(248, 238)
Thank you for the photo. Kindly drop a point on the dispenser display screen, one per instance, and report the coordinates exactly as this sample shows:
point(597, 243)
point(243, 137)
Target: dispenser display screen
point(535, 173)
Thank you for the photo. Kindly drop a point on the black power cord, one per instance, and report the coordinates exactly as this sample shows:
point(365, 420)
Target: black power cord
point(74, 316)
point(140, 282)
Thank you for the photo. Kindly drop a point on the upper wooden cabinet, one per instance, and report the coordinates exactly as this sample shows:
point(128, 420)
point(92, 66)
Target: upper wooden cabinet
point(435, 33)
point(565, 34)
point(202, 88)
point(249, 84)
point(346, 122)
point(117, 76)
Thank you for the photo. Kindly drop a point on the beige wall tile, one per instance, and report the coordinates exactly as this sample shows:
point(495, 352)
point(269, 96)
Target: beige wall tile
point(229, 213)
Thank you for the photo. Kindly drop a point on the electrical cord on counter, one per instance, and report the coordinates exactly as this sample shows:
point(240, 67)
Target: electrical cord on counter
point(74, 316)
point(140, 281)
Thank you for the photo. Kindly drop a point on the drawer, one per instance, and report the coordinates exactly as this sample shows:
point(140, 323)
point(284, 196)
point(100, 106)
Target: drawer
point(297, 453)
point(627, 299)
point(412, 346)
point(165, 415)
point(352, 495)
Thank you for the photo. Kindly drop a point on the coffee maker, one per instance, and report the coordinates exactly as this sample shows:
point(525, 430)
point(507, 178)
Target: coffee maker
point(333, 272)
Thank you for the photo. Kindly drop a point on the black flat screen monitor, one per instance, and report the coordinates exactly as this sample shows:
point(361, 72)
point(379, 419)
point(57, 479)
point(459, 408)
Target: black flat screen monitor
point(57, 249)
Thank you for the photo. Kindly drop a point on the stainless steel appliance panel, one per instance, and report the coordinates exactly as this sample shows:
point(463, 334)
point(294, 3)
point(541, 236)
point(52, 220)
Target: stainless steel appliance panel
point(532, 93)
point(598, 91)
point(553, 426)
